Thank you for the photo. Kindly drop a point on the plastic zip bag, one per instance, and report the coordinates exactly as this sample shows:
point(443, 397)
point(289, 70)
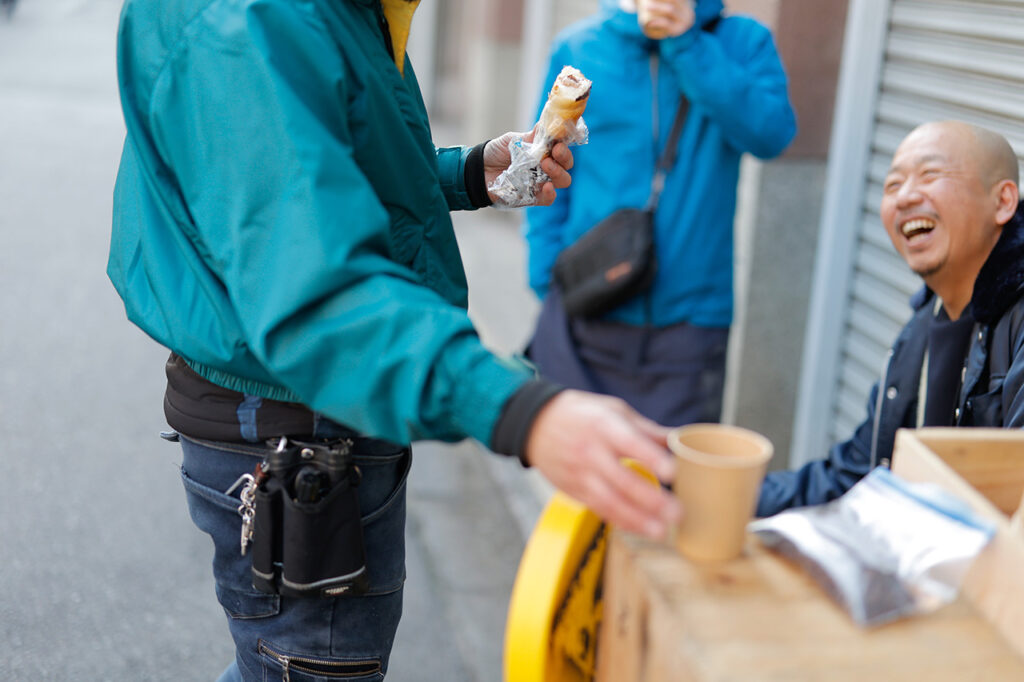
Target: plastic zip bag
point(884, 550)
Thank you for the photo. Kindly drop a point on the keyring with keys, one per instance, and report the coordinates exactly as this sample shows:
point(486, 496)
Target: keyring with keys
point(247, 508)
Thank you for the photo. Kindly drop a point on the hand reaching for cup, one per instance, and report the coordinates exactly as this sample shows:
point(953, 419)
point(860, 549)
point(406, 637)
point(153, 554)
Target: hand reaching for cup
point(578, 441)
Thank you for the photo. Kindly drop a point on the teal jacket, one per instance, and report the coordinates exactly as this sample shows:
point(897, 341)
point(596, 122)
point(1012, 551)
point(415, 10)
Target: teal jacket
point(281, 216)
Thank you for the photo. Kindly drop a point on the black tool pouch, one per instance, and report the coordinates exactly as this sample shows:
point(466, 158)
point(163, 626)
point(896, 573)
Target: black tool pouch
point(266, 538)
point(322, 553)
point(307, 533)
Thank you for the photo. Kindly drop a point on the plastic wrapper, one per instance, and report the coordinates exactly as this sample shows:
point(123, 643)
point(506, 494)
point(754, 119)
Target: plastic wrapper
point(884, 550)
point(561, 120)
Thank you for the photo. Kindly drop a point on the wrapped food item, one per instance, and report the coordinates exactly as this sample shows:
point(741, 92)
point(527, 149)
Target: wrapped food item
point(884, 550)
point(561, 120)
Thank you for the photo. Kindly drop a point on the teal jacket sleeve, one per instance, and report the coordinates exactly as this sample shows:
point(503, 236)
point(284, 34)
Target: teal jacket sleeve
point(734, 75)
point(544, 226)
point(252, 121)
point(451, 167)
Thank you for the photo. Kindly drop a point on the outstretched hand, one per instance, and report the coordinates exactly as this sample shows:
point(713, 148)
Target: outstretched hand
point(577, 442)
point(557, 165)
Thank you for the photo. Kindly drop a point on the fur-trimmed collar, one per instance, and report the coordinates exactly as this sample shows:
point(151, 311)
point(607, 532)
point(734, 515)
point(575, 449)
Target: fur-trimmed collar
point(1001, 279)
point(1000, 282)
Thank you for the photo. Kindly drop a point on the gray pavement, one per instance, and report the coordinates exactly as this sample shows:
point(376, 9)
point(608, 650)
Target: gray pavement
point(102, 574)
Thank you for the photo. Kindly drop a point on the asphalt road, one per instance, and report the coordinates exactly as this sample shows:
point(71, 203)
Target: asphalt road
point(102, 574)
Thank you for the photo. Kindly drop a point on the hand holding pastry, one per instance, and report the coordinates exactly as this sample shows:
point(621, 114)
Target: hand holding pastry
point(537, 163)
point(497, 157)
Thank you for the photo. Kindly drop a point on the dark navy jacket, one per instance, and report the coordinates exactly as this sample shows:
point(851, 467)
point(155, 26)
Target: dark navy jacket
point(991, 394)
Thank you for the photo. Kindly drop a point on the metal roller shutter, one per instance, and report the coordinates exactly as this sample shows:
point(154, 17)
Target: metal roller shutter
point(942, 59)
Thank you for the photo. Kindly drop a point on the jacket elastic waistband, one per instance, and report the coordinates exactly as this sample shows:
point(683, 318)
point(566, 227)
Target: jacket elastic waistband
point(246, 386)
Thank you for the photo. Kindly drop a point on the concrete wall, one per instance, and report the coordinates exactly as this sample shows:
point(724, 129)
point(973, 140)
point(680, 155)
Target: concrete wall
point(497, 90)
point(542, 20)
point(477, 78)
point(777, 225)
point(492, 31)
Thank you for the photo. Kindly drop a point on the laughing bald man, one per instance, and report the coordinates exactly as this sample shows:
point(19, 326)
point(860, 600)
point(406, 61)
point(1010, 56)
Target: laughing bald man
point(951, 207)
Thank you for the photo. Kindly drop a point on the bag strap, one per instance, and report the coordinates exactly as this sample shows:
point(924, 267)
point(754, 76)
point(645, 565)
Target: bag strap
point(671, 150)
point(668, 155)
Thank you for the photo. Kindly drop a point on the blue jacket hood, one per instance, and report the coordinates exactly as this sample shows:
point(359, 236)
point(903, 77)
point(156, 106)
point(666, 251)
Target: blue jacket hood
point(706, 10)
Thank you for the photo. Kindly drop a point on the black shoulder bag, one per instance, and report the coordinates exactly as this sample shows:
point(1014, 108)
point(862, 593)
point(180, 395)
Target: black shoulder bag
point(615, 260)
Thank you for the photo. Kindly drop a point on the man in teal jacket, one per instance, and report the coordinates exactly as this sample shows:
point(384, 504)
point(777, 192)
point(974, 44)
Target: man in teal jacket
point(663, 351)
point(281, 225)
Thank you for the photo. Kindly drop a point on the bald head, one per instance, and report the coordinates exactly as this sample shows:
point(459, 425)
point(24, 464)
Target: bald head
point(951, 188)
point(994, 157)
point(997, 156)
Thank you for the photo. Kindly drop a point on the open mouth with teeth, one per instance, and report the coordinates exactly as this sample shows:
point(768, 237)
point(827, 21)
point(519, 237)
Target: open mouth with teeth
point(917, 227)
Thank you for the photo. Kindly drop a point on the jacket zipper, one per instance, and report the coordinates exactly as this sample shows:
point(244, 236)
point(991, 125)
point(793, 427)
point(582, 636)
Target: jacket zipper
point(878, 408)
point(385, 30)
point(978, 337)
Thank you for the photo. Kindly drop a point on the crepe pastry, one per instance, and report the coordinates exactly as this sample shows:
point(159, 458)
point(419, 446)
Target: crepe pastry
point(565, 105)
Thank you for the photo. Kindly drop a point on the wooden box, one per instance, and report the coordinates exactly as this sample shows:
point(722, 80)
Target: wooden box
point(985, 468)
point(762, 618)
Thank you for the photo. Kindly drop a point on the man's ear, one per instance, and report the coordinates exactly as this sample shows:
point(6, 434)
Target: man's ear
point(1007, 196)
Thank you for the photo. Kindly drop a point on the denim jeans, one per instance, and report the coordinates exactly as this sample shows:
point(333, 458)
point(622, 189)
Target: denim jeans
point(297, 639)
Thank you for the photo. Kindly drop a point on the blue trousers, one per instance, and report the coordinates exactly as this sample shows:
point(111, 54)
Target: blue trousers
point(296, 639)
point(674, 375)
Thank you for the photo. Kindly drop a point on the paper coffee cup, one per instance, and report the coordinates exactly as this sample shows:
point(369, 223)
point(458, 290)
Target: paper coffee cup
point(719, 470)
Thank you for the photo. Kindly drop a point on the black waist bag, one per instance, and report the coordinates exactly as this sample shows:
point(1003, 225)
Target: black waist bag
point(612, 262)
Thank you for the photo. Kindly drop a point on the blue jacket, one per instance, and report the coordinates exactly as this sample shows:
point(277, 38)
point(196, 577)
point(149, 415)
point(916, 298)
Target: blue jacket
point(738, 97)
point(992, 393)
point(281, 216)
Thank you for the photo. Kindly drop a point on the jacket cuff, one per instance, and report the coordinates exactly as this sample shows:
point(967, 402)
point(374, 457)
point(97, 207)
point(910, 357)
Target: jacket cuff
point(476, 184)
point(517, 416)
